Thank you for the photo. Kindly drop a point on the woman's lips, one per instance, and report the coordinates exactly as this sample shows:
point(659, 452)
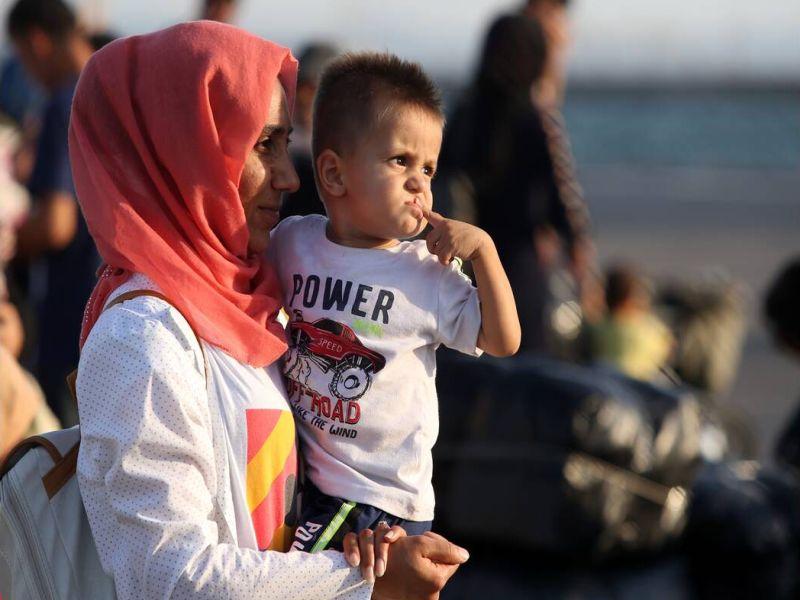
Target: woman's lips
point(269, 214)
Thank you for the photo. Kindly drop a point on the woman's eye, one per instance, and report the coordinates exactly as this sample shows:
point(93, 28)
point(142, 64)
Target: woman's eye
point(266, 144)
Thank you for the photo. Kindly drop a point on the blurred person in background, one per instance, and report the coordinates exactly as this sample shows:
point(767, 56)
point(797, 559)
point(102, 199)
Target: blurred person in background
point(782, 314)
point(23, 411)
point(21, 100)
point(517, 161)
point(223, 11)
point(552, 16)
point(305, 201)
point(54, 48)
point(631, 338)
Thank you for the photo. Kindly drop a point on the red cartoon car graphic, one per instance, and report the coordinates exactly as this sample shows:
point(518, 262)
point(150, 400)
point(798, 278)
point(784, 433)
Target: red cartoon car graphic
point(334, 346)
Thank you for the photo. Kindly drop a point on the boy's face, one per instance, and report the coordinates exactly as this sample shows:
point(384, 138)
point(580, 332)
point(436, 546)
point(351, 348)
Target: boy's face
point(387, 177)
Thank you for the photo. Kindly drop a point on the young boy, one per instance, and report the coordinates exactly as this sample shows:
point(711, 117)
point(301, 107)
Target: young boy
point(368, 310)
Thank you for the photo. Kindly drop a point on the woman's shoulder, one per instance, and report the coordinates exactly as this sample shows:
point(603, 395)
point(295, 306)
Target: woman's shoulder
point(146, 325)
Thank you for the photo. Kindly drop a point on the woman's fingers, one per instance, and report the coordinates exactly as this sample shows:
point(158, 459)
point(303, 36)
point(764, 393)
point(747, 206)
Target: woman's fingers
point(384, 536)
point(351, 551)
point(381, 547)
point(440, 550)
point(366, 547)
point(419, 567)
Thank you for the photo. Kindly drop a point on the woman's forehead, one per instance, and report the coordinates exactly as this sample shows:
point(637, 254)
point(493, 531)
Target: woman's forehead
point(278, 107)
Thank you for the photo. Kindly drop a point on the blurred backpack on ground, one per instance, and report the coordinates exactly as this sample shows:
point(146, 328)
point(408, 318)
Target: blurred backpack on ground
point(708, 321)
point(743, 533)
point(561, 459)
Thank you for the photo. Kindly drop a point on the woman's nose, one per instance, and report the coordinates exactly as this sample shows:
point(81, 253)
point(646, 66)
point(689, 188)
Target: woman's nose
point(285, 177)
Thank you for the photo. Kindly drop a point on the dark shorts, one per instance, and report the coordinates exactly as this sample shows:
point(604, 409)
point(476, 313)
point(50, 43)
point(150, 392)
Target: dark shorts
point(325, 520)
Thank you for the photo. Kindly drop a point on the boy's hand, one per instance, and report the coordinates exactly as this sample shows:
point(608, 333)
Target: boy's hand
point(500, 330)
point(449, 239)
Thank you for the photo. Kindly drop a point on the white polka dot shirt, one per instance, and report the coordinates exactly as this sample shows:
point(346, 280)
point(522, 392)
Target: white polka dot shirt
point(155, 481)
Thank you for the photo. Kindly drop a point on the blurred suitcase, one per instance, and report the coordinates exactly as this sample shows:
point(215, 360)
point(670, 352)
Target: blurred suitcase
point(561, 459)
point(743, 532)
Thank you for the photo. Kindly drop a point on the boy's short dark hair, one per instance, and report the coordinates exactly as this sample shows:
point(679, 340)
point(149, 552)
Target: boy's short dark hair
point(54, 17)
point(357, 90)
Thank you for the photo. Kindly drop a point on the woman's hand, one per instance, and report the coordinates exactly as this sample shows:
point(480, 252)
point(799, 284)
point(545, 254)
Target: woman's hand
point(419, 567)
point(369, 549)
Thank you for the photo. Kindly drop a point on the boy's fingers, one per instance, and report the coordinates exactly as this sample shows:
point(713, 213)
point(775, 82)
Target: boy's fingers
point(433, 217)
point(432, 241)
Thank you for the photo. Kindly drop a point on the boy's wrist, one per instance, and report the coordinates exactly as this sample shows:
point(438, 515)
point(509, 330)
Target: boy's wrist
point(484, 249)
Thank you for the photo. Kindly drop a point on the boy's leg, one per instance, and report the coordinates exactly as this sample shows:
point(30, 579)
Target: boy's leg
point(325, 520)
point(411, 527)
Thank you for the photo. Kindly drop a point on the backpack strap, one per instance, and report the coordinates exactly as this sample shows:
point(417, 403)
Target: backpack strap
point(72, 378)
point(18, 451)
point(65, 465)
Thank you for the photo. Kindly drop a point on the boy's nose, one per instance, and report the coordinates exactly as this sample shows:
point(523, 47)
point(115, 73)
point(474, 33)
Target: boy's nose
point(414, 184)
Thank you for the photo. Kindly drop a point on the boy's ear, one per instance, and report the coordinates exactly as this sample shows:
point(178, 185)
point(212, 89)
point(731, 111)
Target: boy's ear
point(329, 173)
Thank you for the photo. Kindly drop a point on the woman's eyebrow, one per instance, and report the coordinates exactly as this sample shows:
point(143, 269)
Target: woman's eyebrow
point(276, 130)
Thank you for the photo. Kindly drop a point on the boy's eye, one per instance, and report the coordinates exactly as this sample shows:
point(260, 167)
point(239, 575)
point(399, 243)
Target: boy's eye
point(429, 171)
point(400, 161)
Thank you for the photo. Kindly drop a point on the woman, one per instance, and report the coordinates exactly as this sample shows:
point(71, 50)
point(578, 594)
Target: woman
point(514, 155)
point(187, 467)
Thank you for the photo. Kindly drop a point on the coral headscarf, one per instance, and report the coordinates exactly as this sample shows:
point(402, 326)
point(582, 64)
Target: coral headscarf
point(161, 126)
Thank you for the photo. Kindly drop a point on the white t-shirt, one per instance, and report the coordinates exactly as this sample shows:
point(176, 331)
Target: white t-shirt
point(364, 328)
point(176, 470)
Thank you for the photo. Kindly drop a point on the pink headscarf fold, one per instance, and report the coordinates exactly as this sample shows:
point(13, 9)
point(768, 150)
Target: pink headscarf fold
point(161, 126)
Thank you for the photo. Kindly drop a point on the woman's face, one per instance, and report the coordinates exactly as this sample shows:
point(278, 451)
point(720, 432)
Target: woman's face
point(267, 173)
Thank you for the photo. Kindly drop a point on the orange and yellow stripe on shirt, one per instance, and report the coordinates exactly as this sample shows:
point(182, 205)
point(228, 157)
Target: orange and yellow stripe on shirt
point(271, 469)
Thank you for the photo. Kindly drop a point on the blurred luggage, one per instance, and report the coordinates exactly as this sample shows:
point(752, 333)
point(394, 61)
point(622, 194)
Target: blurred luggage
point(561, 459)
point(708, 321)
point(743, 532)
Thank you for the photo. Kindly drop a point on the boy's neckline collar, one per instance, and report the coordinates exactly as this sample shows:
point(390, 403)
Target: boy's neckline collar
point(394, 244)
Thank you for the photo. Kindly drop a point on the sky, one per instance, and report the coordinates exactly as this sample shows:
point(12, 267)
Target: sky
point(615, 40)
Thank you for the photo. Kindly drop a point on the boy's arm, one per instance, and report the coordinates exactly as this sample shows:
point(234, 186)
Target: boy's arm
point(500, 330)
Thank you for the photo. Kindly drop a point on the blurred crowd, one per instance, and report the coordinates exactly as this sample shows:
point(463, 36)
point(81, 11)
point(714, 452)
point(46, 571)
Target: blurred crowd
point(506, 165)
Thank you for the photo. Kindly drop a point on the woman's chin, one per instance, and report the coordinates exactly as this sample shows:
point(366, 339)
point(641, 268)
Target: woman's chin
point(258, 242)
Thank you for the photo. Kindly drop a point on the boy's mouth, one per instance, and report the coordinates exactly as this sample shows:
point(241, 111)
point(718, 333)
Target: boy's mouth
point(416, 208)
